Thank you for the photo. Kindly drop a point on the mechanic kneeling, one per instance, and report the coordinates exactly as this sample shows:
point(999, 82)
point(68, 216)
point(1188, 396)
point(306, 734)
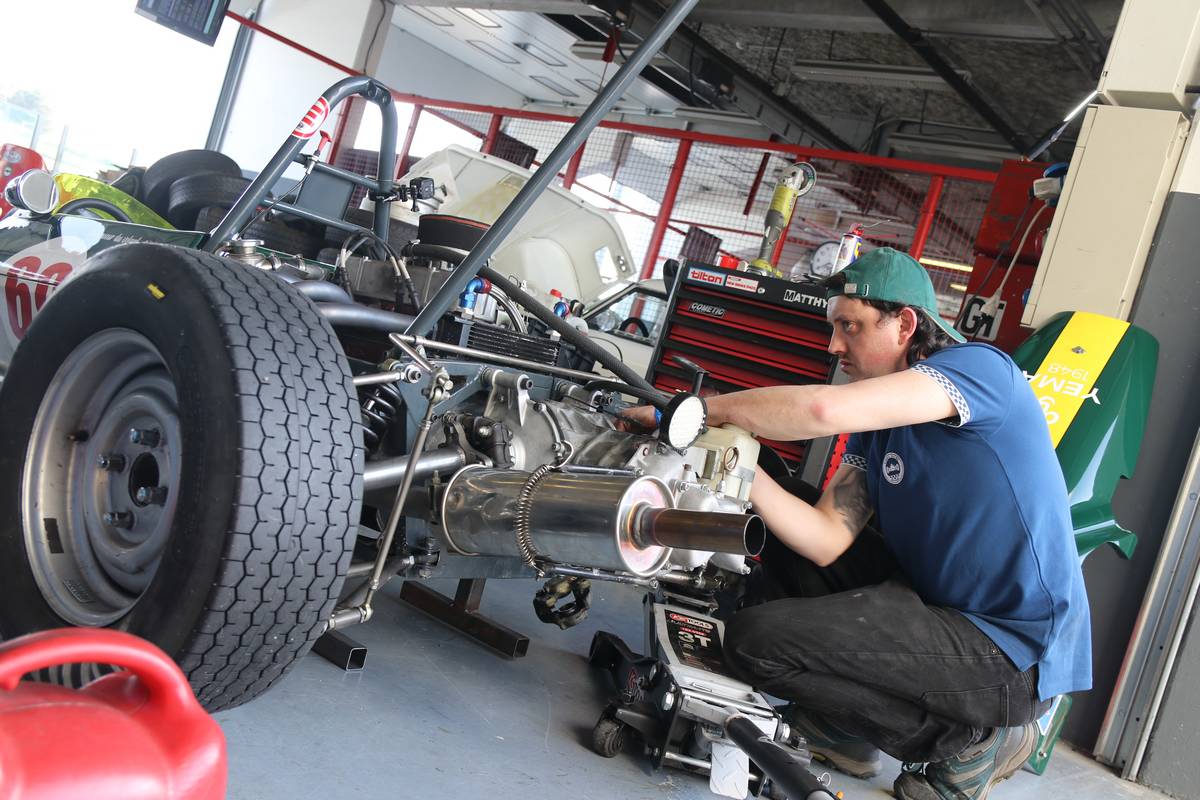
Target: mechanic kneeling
point(943, 636)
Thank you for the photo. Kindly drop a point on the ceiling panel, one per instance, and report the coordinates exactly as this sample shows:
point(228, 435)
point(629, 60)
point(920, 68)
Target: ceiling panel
point(524, 50)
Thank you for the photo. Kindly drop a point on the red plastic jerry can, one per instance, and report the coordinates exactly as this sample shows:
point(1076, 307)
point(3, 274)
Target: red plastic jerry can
point(129, 735)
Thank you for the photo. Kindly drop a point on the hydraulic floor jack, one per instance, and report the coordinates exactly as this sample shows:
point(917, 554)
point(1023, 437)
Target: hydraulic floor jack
point(688, 713)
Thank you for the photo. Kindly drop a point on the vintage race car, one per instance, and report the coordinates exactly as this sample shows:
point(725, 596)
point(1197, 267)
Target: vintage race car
point(228, 450)
point(630, 321)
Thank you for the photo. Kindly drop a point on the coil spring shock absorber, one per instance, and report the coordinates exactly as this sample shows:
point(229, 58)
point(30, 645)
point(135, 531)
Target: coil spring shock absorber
point(380, 408)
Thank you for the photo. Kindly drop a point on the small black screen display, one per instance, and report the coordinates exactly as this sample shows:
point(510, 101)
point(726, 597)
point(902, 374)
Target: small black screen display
point(197, 19)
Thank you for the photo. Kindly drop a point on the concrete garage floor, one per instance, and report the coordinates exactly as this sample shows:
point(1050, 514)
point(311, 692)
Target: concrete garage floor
point(436, 715)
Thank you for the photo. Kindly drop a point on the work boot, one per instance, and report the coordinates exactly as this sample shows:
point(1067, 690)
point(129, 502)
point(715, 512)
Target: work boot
point(840, 749)
point(972, 773)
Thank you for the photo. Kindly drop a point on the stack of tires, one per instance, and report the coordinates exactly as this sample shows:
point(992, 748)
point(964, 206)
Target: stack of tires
point(193, 189)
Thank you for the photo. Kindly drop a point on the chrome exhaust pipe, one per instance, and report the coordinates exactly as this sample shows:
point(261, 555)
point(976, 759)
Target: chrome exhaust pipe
point(390, 471)
point(586, 520)
point(740, 534)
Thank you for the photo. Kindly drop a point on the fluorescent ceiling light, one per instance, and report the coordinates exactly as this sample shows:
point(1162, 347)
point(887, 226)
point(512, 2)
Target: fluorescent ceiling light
point(554, 86)
point(594, 51)
point(496, 53)
point(591, 84)
point(541, 54)
point(947, 147)
point(714, 115)
point(960, 287)
point(937, 262)
point(1081, 106)
point(866, 73)
point(557, 106)
point(431, 15)
point(478, 17)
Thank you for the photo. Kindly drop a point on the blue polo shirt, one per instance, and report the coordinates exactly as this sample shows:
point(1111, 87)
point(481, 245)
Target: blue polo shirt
point(975, 510)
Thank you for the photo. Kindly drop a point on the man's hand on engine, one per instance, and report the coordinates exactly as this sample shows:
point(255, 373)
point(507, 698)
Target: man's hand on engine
point(639, 419)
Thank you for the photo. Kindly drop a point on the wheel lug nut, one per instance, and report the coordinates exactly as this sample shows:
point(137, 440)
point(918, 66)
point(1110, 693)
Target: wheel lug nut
point(111, 462)
point(147, 437)
point(156, 495)
point(119, 519)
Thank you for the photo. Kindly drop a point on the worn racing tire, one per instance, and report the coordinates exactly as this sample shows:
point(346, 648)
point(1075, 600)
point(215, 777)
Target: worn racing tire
point(157, 180)
point(248, 447)
point(191, 194)
point(130, 182)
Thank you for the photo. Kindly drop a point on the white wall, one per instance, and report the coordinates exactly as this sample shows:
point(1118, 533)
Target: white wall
point(279, 84)
point(410, 65)
point(1187, 175)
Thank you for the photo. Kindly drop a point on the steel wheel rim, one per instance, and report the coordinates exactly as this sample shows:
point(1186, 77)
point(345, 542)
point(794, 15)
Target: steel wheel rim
point(92, 568)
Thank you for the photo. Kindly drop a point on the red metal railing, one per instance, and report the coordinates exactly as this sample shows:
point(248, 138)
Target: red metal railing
point(659, 182)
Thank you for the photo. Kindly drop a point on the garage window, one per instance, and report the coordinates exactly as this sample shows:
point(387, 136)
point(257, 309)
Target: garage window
point(433, 134)
point(90, 100)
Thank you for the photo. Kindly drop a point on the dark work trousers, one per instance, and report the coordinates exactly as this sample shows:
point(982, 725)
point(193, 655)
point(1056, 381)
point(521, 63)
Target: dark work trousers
point(855, 644)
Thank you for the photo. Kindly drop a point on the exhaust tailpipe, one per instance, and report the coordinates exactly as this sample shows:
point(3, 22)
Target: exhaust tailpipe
point(740, 534)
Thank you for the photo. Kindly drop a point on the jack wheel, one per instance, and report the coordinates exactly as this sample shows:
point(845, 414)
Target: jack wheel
point(608, 737)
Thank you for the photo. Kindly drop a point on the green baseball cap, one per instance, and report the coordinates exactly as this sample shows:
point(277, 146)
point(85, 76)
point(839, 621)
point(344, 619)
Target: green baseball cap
point(894, 277)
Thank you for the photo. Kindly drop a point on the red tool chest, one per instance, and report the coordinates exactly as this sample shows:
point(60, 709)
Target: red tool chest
point(746, 331)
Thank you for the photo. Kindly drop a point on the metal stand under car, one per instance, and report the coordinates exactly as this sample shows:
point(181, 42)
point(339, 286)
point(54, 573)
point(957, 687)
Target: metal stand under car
point(689, 714)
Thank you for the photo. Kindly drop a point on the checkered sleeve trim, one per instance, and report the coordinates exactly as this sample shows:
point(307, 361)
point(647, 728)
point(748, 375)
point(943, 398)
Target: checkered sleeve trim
point(956, 397)
point(858, 462)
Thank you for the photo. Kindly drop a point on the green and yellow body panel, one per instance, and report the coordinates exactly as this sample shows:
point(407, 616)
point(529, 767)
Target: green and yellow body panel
point(1093, 376)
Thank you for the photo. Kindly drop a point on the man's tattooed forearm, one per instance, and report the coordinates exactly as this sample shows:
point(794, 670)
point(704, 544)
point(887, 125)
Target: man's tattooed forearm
point(852, 502)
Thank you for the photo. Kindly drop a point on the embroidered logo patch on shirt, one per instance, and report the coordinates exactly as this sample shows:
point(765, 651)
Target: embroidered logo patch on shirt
point(893, 469)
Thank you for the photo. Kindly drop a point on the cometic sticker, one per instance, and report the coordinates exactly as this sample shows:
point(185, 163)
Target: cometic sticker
point(705, 308)
point(313, 120)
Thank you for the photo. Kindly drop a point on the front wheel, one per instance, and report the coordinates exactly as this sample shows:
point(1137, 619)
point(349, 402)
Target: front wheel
point(180, 458)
